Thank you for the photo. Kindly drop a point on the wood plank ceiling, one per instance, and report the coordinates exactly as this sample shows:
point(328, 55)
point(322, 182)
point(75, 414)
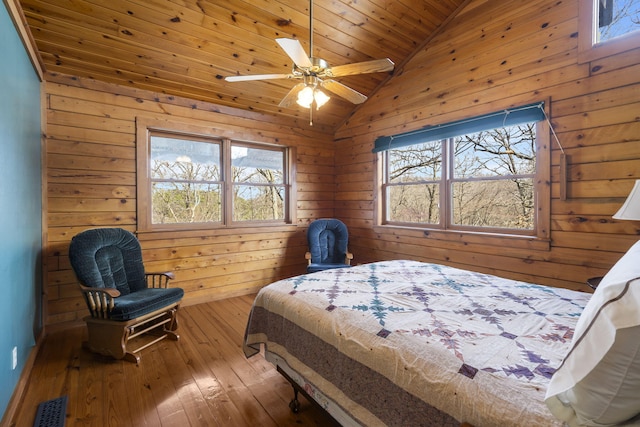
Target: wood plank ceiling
point(186, 47)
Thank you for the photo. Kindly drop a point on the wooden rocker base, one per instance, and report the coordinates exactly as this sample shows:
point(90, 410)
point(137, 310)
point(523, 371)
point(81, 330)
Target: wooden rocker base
point(123, 340)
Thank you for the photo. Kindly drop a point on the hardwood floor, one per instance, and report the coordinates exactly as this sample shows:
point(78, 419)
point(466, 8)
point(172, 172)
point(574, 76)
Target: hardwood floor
point(201, 380)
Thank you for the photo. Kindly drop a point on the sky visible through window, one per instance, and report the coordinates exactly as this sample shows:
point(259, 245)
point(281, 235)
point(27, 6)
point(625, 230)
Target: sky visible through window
point(617, 18)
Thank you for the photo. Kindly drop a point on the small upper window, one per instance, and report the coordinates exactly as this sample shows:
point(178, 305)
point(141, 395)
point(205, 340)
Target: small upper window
point(617, 18)
point(607, 27)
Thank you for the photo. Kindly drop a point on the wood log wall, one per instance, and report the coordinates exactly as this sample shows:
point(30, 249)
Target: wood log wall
point(491, 56)
point(91, 175)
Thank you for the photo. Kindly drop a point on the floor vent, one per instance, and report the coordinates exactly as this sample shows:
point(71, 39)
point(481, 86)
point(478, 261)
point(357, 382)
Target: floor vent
point(52, 413)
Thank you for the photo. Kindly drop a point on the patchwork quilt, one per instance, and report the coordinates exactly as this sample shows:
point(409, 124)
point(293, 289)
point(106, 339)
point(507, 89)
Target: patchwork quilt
point(409, 343)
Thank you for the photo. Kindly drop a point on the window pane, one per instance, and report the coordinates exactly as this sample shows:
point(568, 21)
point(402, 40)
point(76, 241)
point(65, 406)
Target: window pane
point(617, 18)
point(413, 203)
point(256, 203)
point(255, 165)
point(180, 202)
point(497, 152)
point(415, 163)
point(182, 159)
point(499, 203)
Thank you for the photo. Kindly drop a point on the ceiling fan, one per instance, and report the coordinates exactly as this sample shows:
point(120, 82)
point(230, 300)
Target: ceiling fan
point(315, 74)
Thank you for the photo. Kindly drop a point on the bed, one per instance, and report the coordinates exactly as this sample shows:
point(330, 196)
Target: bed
point(409, 343)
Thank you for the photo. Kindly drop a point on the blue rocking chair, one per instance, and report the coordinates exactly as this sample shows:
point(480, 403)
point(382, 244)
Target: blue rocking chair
point(128, 307)
point(328, 240)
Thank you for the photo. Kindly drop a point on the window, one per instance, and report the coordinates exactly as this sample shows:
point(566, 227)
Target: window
point(607, 27)
point(199, 181)
point(616, 18)
point(258, 185)
point(481, 174)
point(186, 180)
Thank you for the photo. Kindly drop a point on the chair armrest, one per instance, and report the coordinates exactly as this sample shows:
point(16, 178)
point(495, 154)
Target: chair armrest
point(159, 280)
point(100, 301)
point(347, 259)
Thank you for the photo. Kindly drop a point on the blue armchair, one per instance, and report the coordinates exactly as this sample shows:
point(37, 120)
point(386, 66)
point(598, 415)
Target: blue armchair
point(328, 240)
point(129, 309)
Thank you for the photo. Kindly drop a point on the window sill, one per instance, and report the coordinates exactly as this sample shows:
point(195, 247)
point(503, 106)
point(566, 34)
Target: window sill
point(474, 237)
point(213, 231)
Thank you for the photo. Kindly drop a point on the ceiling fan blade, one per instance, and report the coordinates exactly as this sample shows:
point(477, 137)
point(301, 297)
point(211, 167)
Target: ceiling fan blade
point(296, 52)
point(343, 91)
point(258, 77)
point(375, 66)
point(291, 97)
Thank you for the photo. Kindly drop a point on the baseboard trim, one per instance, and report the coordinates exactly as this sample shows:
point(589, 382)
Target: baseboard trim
point(21, 386)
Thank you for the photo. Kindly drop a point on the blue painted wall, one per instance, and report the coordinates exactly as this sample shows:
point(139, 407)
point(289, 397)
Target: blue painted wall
point(20, 206)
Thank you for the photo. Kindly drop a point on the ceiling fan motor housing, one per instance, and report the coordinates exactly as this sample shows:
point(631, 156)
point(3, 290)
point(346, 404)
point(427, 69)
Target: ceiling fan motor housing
point(318, 67)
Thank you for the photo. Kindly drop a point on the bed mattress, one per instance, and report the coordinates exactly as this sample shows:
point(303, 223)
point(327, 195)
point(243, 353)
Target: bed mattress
point(410, 343)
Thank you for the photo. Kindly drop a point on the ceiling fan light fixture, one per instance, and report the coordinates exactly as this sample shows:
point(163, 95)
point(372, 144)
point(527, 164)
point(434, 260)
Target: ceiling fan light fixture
point(320, 97)
point(305, 97)
point(310, 94)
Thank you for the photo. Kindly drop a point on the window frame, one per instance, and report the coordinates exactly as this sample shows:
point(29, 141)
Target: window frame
point(589, 49)
point(542, 197)
point(146, 127)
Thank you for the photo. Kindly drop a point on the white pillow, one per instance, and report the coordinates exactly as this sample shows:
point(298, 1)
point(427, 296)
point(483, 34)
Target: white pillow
point(598, 383)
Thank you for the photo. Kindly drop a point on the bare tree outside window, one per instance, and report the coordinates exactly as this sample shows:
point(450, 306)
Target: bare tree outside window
point(418, 168)
point(493, 178)
point(185, 181)
point(188, 181)
point(617, 18)
point(258, 189)
point(487, 179)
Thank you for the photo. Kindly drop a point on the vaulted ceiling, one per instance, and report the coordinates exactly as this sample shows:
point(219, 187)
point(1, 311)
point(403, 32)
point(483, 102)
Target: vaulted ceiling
point(186, 47)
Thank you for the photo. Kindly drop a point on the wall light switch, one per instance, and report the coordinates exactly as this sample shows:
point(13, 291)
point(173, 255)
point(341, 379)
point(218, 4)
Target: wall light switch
point(14, 357)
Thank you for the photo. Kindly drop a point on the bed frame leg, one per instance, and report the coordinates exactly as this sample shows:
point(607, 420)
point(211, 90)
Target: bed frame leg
point(294, 404)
